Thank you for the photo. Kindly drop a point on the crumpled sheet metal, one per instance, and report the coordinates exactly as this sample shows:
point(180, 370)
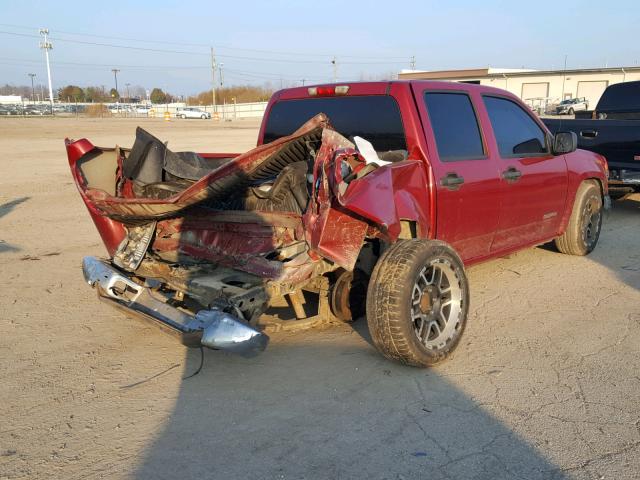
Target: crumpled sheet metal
point(207, 187)
point(380, 199)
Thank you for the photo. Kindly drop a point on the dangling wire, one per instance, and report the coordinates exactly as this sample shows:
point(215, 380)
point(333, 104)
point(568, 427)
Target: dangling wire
point(201, 364)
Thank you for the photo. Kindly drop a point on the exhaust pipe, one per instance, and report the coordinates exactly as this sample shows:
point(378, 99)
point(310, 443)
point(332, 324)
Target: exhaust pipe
point(213, 328)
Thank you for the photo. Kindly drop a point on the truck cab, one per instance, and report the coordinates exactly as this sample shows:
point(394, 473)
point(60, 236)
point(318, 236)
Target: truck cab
point(495, 183)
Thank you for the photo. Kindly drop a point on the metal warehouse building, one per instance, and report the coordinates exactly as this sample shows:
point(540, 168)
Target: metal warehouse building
point(537, 88)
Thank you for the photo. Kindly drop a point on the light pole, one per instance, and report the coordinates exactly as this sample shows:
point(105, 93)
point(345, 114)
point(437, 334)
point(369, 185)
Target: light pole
point(128, 96)
point(115, 76)
point(564, 76)
point(221, 75)
point(32, 75)
point(213, 81)
point(46, 46)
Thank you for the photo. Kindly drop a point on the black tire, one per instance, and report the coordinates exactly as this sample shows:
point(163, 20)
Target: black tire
point(183, 116)
point(402, 301)
point(204, 117)
point(571, 111)
point(583, 230)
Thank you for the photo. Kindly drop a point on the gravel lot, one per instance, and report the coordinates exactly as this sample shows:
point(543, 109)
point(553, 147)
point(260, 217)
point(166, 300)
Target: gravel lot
point(544, 385)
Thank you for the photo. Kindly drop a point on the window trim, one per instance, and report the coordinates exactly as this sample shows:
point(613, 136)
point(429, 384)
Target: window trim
point(547, 143)
point(483, 141)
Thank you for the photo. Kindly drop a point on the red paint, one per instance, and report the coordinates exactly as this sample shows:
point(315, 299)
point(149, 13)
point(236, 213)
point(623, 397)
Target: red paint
point(111, 231)
point(485, 218)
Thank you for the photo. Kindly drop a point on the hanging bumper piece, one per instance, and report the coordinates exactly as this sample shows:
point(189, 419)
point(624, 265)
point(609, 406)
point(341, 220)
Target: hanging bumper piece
point(212, 328)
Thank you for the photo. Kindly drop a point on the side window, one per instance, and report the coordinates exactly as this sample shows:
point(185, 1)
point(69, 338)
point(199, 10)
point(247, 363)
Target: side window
point(516, 132)
point(454, 125)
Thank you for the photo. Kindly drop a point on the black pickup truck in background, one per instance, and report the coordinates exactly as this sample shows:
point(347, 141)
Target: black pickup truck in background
point(612, 130)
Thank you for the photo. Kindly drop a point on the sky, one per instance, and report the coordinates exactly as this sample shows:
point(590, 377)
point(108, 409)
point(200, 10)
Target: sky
point(166, 44)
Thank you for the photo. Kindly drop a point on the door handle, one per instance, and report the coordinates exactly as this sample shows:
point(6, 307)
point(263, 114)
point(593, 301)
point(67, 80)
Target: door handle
point(589, 133)
point(452, 181)
point(511, 174)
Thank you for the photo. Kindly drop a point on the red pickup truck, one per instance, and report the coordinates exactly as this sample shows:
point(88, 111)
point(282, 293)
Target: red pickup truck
point(363, 198)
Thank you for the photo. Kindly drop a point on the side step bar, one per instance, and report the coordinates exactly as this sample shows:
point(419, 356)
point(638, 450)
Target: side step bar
point(209, 328)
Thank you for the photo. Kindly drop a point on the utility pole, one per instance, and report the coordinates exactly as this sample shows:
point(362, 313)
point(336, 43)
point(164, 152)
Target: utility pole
point(213, 80)
point(412, 63)
point(128, 96)
point(221, 75)
point(335, 69)
point(303, 80)
point(115, 76)
point(46, 46)
point(564, 76)
point(32, 75)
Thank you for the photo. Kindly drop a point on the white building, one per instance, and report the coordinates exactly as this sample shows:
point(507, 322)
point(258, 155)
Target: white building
point(10, 99)
point(537, 88)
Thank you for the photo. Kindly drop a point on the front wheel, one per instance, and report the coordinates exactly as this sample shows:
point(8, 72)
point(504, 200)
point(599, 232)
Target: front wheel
point(571, 111)
point(204, 117)
point(417, 302)
point(583, 230)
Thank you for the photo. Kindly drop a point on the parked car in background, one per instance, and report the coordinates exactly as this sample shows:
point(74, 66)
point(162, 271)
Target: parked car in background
point(5, 110)
point(192, 112)
point(36, 110)
point(572, 105)
point(144, 109)
point(372, 196)
point(612, 130)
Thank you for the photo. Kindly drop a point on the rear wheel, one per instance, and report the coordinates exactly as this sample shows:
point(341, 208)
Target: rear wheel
point(583, 230)
point(183, 116)
point(417, 302)
point(204, 117)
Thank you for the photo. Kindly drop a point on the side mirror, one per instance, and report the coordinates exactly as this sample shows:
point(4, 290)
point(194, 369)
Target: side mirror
point(565, 142)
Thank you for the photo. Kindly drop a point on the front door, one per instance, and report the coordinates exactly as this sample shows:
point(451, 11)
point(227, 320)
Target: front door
point(467, 178)
point(534, 181)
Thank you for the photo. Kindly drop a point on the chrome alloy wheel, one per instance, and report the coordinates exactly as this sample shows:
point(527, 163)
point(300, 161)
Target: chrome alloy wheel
point(591, 221)
point(436, 304)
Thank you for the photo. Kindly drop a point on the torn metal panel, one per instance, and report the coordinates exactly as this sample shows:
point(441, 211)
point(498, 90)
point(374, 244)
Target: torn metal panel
point(261, 162)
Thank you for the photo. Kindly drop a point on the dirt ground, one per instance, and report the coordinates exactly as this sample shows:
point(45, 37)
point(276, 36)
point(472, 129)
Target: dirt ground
point(545, 384)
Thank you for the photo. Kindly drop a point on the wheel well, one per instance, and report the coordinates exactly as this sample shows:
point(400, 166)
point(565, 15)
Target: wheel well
point(598, 182)
point(408, 229)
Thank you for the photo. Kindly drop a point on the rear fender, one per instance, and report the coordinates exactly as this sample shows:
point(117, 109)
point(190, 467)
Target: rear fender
point(342, 213)
point(111, 231)
point(583, 165)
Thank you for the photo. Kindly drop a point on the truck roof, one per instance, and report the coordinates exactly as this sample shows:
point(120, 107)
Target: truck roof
point(383, 87)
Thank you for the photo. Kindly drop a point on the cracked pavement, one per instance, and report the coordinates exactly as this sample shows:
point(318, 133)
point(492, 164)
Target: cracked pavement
point(544, 385)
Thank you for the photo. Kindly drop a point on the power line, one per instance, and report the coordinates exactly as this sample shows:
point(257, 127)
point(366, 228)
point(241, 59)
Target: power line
point(234, 72)
point(184, 52)
point(218, 46)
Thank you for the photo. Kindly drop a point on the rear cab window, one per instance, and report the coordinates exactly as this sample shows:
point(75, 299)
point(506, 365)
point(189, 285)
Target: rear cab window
point(375, 118)
point(622, 97)
point(455, 126)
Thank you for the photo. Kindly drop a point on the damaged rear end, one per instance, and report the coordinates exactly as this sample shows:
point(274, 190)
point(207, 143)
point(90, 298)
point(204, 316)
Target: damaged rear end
point(205, 244)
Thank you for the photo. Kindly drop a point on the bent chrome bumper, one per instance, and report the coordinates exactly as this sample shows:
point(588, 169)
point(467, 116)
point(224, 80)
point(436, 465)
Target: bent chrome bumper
point(209, 328)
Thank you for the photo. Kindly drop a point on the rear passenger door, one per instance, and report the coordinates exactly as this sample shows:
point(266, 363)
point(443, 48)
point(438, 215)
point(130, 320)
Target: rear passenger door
point(533, 180)
point(467, 179)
